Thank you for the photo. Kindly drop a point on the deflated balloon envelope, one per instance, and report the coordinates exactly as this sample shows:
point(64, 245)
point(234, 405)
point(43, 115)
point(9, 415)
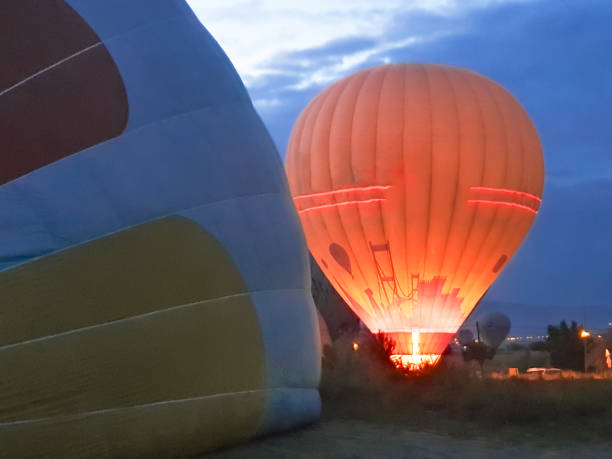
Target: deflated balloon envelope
point(427, 177)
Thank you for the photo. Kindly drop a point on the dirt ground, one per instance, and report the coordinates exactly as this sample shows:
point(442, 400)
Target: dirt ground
point(340, 439)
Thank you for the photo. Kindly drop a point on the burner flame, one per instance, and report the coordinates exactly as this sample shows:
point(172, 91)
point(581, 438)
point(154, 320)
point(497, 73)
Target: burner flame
point(414, 362)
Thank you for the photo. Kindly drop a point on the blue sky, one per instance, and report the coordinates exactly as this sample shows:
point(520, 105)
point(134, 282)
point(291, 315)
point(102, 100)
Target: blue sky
point(555, 56)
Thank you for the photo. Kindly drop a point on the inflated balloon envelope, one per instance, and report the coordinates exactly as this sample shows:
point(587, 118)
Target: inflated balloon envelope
point(155, 296)
point(415, 184)
point(494, 328)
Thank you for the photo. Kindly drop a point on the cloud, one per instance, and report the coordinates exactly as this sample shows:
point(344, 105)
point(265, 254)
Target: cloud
point(256, 33)
point(553, 56)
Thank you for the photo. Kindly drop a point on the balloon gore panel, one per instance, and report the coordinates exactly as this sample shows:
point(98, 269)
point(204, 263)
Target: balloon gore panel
point(153, 270)
point(96, 282)
point(180, 428)
point(161, 302)
point(60, 90)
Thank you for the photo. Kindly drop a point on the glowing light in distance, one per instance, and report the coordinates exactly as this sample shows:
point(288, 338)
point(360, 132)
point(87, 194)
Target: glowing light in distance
point(584, 334)
point(502, 203)
point(355, 346)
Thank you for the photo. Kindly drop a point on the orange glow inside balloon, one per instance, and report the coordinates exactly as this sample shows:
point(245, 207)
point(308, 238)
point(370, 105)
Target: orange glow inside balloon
point(415, 184)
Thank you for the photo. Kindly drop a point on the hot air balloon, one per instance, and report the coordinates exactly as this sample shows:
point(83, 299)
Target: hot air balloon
point(154, 292)
point(494, 328)
point(465, 336)
point(415, 184)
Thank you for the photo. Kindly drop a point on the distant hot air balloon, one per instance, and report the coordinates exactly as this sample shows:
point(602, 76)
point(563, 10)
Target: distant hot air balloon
point(465, 336)
point(494, 328)
point(154, 296)
point(428, 177)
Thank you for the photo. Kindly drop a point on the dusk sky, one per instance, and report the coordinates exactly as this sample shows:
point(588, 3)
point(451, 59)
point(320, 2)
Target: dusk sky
point(554, 56)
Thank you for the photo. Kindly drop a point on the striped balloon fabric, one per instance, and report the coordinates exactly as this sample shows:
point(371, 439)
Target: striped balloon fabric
point(153, 271)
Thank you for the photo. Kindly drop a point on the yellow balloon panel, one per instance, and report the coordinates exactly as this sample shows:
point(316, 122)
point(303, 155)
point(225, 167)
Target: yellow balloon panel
point(415, 184)
point(182, 428)
point(147, 330)
point(146, 268)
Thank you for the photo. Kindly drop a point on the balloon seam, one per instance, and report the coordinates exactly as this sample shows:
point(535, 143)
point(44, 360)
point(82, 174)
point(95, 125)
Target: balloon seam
point(141, 316)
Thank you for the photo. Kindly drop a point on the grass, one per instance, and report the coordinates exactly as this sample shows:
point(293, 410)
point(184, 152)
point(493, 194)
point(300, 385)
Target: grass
point(362, 385)
point(521, 359)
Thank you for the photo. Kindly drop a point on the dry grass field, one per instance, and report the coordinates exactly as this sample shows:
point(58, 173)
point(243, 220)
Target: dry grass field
point(372, 410)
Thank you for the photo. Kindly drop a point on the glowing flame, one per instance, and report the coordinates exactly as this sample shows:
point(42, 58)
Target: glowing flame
point(415, 343)
point(608, 359)
point(355, 346)
point(414, 361)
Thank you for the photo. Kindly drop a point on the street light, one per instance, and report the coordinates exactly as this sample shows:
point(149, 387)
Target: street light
point(584, 335)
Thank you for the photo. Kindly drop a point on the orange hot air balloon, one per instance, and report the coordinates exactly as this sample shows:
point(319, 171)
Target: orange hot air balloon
point(415, 184)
